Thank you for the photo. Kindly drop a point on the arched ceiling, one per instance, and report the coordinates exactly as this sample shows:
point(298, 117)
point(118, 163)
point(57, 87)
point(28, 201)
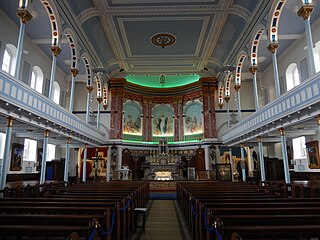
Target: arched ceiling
point(117, 34)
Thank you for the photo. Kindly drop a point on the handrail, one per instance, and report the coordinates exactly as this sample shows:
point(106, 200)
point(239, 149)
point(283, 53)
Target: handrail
point(214, 226)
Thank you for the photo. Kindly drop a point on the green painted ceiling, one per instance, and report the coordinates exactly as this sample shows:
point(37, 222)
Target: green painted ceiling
point(171, 81)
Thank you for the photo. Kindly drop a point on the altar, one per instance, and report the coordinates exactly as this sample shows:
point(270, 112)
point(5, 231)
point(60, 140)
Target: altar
point(163, 175)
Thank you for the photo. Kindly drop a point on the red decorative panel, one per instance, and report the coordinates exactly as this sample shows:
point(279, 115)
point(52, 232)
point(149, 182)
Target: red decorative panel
point(192, 95)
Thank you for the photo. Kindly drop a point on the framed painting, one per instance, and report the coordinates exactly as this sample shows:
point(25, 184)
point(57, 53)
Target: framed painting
point(313, 154)
point(16, 157)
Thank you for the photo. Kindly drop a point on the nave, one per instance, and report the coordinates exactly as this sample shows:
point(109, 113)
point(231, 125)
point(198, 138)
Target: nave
point(202, 210)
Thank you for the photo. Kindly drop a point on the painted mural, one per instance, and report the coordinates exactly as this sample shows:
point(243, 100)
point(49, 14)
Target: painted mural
point(132, 118)
point(193, 121)
point(162, 122)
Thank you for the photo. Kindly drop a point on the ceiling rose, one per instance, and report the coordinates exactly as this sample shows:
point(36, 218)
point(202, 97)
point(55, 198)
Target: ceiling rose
point(163, 39)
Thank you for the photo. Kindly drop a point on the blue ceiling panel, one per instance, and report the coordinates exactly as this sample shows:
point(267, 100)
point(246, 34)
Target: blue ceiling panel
point(138, 35)
point(98, 39)
point(250, 5)
point(80, 5)
point(132, 3)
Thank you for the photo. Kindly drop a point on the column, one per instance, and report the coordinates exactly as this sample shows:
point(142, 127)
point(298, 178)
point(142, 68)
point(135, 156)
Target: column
point(285, 156)
point(253, 70)
point(84, 166)
point(6, 154)
point(74, 73)
point(250, 162)
point(55, 52)
point(25, 16)
point(305, 12)
point(243, 163)
point(272, 47)
point(207, 157)
point(89, 89)
point(66, 162)
point(119, 157)
point(98, 115)
point(231, 164)
point(44, 157)
point(261, 160)
point(108, 164)
point(237, 88)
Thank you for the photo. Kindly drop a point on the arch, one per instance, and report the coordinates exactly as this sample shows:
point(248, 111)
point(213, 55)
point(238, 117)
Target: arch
point(105, 96)
point(255, 45)
point(9, 59)
point(220, 95)
point(273, 19)
point(241, 12)
point(37, 77)
point(54, 22)
point(241, 59)
point(193, 120)
point(87, 14)
point(85, 59)
point(227, 87)
point(56, 92)
point(73, 47)
point(99, 88)
point(292, 76)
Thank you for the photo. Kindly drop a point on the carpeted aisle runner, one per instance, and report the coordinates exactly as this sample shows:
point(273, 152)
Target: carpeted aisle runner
point(162, 222)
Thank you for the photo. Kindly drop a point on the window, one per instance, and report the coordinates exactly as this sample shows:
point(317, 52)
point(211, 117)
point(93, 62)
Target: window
point(51, 152)
point(292, 76)
point(317, 56)
point(2, 143)
point(37, 79)
point(9, 58)
point(30, 150)
point(56, 93)
point(299, 147)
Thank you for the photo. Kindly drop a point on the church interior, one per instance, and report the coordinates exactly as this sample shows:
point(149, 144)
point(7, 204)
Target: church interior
point(168, 119)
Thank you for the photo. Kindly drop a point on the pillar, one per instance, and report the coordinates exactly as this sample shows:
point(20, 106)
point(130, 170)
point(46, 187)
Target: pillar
point(44, 157)
point(89, 89)
point(98, 115)
point(84, 166)
point(119, 157)
point(207, 157)
point(272, 47)
point(74, 73)
point(6, 155)
point(231, 164)
point(253, 70)
point(250, 162)
point(108, 164)
point(66, 162)
point(305, 12)
point(55, 52)
point(25, 16)
point(243, 163)
point(261, 160)
point(285, 156)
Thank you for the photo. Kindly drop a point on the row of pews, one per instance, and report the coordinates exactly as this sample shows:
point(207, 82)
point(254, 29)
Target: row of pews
point(84, 211)
point(218, 210)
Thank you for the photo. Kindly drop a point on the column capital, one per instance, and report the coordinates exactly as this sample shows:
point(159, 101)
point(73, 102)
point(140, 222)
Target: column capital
point(86, 145)
point(46, 133)
point(24, 15)
point(318, 120)
point(68, 140)
point(259, 139)
point(74, 72)
point(282, 131)
point(305, 11)
point(89, 88)
point(241, 145)
point(253, 69)
point(272, 47)
point(9, 122)
point(55, 50)
point(227, 98)
point(237, 87)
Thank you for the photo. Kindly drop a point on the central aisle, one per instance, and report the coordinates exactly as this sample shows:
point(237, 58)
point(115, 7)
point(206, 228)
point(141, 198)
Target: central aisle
point(162, 222)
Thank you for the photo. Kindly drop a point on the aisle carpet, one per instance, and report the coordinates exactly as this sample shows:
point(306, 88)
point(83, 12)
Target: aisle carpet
point(162, 222)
